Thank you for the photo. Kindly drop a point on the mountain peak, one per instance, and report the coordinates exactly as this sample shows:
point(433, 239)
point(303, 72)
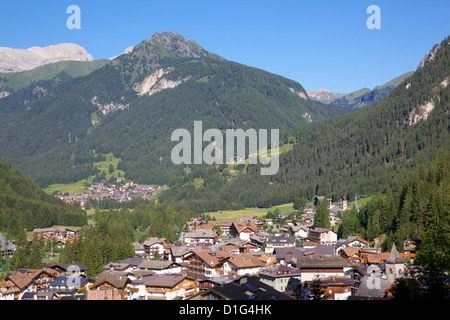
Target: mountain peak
point(324, 95)
point(176, 43)
point(16, 60)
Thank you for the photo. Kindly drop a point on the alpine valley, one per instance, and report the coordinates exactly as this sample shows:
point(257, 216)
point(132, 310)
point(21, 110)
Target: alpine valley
point(63, 123)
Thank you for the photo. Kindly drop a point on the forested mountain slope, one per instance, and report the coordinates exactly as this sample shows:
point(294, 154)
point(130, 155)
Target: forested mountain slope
point(364, 151)
point(131, 106)
point(24, 205)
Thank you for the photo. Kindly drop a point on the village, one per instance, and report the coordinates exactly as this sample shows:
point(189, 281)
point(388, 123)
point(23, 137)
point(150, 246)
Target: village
point(243, 259)
point(118, 191)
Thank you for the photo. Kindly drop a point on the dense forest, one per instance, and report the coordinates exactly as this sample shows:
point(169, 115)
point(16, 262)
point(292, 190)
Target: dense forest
point(421, 202)
point(24, 206)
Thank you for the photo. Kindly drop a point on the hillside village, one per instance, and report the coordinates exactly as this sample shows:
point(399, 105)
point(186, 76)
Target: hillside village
point(222, 260)
point(120, 191)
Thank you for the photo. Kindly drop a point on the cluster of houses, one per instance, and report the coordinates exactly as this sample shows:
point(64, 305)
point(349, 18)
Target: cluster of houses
point(225, 260)
point(118, 192)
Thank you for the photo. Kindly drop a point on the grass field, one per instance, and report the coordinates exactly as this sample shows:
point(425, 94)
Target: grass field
point(259, 212)
point(79, 186)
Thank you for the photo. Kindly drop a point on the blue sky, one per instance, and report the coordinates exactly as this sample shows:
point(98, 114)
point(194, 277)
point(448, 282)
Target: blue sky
point(316, 43)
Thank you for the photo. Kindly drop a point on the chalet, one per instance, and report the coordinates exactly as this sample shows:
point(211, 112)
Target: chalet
point(204, 227)
point(243, 230)
point(268, 260)
point(410, 246)
point(351, 254)
point(258, 240)
point(65, 286)
point(163, 287)
point(58, 233)
point(249, 247)
point(284, 256)
point(27, 280)
point(335, 288)
point(320, 250)
point(246, 288)
point(154, 247)
point(207, 264)
point(280, 277)
point(227, 247)
point(354, 242)
point(114, 284)
point(323, 266)
point(298, 230)
point(192, 223)
point(204, 284)
point(282, 241)
point(179, 253)
point(67, 269)
point(224, 226)
point(322, 236)
point(245, 264)
point(204, 237)
point(160, 267)
point(120, 267)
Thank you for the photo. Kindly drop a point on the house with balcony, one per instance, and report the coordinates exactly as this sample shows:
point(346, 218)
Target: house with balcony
point(245, 264)
point(24, 281)
point(160, 267)
point(154, 247)
point(243, 230)
point(323, 236)
point(207, 264)
point(200, 236)
point(282, 241)
point(313, 265)
point(281, 277)
point(163, 287)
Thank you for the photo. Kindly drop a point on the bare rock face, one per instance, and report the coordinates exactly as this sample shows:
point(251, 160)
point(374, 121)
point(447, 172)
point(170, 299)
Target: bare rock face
point(324, 95)
point(16, 60)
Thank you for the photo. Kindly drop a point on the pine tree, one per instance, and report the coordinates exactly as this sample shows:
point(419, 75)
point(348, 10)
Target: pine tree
point(92, 258)
point(322, 215)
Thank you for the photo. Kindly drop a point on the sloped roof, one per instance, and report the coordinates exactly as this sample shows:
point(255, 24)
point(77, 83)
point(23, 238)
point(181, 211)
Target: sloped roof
point(253, 288)
point(156, 264)
point(280, 270)
point(164, 280)
point(245, 261)
point(115, 278)
point(212, 258)
point(241, 226)
point(288, 253)
point(320, 261)
point(23, 277)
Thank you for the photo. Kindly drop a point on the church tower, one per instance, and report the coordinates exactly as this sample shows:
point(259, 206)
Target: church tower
point(395, 266)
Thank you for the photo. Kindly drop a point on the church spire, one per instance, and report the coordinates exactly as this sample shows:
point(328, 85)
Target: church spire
point(394, 258)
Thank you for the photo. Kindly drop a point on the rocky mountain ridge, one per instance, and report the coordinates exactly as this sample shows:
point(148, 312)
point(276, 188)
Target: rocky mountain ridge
point(17, 60)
